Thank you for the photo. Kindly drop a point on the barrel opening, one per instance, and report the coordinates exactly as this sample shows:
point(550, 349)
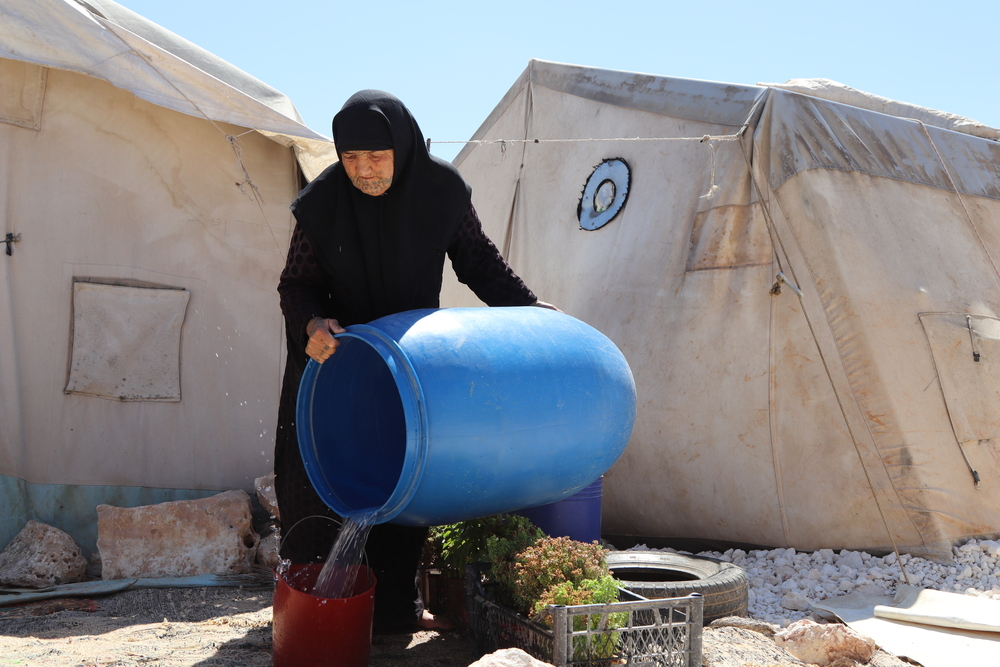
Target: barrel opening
point(358, 426)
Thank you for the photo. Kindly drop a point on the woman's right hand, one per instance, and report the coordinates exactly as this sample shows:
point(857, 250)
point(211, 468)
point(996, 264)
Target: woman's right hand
point(322, 344)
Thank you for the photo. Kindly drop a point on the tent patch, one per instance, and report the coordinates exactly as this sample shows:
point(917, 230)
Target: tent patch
point(22, 90)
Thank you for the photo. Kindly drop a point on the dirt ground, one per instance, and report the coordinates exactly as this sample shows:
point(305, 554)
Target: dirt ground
point(231, 627)
point(196, 627)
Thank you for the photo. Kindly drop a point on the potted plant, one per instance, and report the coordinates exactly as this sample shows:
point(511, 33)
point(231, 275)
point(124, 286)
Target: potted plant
point(556, 571)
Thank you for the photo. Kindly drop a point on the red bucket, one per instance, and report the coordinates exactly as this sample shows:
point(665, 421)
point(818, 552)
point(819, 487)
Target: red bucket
point(322, 632)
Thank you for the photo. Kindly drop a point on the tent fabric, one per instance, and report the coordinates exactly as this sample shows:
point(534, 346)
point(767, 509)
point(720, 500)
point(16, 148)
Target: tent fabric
point(838, 92)
point(107, 41)
point(129, 164)
point(765, 418)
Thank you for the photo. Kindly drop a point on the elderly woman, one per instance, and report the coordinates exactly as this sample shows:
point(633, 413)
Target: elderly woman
point(371, 235)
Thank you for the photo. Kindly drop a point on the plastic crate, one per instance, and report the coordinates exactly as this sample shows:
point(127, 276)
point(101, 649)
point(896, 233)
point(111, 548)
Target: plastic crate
point(662, 633)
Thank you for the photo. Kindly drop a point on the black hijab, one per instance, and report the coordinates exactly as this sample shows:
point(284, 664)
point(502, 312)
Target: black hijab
point(385, 254)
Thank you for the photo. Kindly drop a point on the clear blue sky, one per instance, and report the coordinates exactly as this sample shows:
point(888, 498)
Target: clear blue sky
point(451, 62)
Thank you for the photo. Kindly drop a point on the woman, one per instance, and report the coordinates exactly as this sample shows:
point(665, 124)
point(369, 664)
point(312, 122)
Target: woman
point(370, 240)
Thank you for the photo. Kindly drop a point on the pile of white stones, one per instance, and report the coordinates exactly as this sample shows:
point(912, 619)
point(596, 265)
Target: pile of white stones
point(783, 582)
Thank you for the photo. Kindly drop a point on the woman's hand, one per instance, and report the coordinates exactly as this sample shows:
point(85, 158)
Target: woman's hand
point(542, 304)
point(321, 343)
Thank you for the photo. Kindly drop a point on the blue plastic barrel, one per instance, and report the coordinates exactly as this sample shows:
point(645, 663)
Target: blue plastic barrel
point(577, 517)
point(437, 416)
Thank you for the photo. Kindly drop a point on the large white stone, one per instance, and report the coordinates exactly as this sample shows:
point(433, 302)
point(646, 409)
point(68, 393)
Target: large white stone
point(509, 657)
point(824, 644)
point(41, 556)
point(178, 539)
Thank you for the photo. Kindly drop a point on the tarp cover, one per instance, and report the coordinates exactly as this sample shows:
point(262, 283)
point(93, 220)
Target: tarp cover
point(854, 416)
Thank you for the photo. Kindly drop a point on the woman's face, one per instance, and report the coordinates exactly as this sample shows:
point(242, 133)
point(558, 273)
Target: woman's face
point(369, 171)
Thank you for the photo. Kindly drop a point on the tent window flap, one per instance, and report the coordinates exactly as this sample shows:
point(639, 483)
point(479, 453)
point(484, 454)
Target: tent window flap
point(126, 342)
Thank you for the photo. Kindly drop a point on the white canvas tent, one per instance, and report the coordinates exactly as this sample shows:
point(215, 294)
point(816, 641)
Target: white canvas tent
point(857, 415)
point(140, 337)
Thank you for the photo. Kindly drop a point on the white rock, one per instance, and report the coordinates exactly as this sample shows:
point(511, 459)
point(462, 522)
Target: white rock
point(795, 600)
point(851, 559)
point(177, 539)
point(823, 644)
point(509, 657)
point(990, 547)
point(41, 556)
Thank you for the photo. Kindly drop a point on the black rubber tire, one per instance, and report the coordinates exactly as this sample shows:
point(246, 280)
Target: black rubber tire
point(657, 574)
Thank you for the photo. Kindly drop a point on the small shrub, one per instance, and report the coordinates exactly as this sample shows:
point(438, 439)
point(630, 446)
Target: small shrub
point(552, 561)
point(532, 572)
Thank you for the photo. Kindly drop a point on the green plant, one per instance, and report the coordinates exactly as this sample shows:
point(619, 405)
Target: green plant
point(456, 545)
point(589, 591)
point(502, 549)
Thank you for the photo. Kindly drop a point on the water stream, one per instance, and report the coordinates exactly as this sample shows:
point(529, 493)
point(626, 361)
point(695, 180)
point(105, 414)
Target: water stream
point(339, 573)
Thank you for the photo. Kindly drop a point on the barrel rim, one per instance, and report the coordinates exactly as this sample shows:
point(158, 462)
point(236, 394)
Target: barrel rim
point(412, 399)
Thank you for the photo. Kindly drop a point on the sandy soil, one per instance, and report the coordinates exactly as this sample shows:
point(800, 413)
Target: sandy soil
point(221, 627)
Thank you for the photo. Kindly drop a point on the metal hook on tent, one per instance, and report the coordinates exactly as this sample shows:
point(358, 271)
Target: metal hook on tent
point(972, 337)
point(778, 280)
point(9, 240)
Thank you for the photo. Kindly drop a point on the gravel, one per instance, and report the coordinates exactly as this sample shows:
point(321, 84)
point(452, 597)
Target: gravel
point(783, 582)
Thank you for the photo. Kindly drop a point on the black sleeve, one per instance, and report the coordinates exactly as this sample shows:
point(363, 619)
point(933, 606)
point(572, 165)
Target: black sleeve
point(478, 264)
point(302, 287)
